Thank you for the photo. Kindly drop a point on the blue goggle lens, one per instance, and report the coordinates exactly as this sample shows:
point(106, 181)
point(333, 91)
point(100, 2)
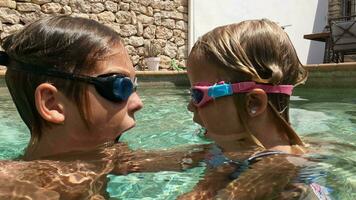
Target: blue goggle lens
point(115, 88)
point(122, 88)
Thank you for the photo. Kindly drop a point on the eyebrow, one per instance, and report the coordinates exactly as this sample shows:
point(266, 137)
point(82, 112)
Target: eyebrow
point(115, 71)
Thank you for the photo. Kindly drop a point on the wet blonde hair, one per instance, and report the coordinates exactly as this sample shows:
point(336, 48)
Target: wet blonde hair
point(257, 50)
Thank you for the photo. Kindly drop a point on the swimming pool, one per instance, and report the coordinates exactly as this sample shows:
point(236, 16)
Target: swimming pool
point(325, 118)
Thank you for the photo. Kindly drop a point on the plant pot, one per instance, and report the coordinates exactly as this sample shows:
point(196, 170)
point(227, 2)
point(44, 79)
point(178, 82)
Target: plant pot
point(152, 63)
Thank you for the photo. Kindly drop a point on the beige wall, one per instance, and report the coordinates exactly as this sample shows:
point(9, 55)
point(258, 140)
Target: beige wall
point(163, 22)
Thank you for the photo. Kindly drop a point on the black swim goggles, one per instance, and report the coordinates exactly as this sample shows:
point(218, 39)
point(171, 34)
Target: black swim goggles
point(114, 86)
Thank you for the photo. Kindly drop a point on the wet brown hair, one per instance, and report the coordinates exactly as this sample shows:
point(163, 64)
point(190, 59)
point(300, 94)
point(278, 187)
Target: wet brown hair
point(64, 43)
point(257, 50)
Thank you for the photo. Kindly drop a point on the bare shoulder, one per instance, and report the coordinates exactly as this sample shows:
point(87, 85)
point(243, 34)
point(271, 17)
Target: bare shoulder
point(265, 177)
point(46, 179)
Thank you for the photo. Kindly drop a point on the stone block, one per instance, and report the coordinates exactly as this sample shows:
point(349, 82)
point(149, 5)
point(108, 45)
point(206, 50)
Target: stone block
point(131, 50)
point(159, 42)
point(167, 5)
point(181, 25)
point(12, 29)
point(179, 41)
point(135, 59)
point(172, 14)
point(30, 17)
point(140, 51)
point(67, 10)
point(106, 17)
point(183, 52)
point(170, 50)
point(182, 9)
point(135, 7)
point(28, 7)
point(8, 15)
point(149, 32)
point(8, 4)
point(163, 33)
point(81, 5)
point(155, 4)
point(139, 29)
point(182, 2)
point(136, 41)
point(169, 23)
point(149, 11)
point(50, 8)
point(124, 6)
point(145, 2)
point(128, 30)
point(97, 7)
point(40, 2)
point(123, 17)
point(114, 26)
point(165, 62)
point(111, 6)
point(157, 19)
point(83, 15)
point(145, 19)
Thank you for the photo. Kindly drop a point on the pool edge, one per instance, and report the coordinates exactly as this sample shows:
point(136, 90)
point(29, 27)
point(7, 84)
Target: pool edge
point(334, 75)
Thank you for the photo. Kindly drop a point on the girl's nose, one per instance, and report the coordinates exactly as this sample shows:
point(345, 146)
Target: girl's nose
point(191, 106)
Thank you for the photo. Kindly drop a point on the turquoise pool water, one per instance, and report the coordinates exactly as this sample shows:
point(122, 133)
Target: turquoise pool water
point(325, 118)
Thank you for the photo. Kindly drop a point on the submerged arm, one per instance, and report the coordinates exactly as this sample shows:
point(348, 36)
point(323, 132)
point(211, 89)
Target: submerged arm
point(214, 180)
point(164, 160)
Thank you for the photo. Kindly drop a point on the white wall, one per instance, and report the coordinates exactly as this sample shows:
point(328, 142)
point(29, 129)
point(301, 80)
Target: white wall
point(304, 16)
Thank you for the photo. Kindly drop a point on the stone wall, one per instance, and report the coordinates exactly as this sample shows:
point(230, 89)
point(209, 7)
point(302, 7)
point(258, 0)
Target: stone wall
point(335, 8)
point(162, 22)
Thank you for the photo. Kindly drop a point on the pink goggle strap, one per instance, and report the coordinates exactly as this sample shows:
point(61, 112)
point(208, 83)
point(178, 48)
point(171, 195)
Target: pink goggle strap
point(249, 86)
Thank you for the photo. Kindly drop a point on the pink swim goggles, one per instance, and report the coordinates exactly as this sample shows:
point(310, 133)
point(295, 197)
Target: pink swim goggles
point(202, 93)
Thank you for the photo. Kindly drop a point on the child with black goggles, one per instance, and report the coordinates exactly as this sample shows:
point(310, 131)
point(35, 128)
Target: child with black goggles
point(75, 128)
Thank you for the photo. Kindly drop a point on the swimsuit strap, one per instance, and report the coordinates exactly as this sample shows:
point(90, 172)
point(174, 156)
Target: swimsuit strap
point(244, 165)
point(254, 157)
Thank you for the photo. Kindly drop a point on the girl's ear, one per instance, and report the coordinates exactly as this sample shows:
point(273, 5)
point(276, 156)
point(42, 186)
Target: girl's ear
point(256, 102)
point(49, 104)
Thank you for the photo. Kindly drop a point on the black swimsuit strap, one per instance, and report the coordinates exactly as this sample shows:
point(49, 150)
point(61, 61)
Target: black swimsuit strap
point(253, 158)
point(244, 165)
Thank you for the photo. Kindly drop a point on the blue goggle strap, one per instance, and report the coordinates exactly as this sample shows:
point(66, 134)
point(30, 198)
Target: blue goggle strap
point(220, 90)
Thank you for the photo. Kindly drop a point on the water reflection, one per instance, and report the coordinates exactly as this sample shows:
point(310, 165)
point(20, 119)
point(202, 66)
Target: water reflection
point(83, 175)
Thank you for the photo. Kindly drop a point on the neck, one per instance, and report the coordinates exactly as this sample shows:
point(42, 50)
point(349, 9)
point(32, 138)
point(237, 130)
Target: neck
point(232, 142)
point(55, 141)
point(272, 133)
point(267, 130)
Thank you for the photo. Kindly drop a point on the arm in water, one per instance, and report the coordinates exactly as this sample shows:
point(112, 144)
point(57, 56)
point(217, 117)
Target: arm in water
point(177, 159)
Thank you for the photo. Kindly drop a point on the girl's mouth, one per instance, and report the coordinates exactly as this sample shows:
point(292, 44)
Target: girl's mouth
point(119, 135)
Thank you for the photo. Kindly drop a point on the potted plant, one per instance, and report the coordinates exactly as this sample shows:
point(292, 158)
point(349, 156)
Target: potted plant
point(152, 56)
point(176, 66)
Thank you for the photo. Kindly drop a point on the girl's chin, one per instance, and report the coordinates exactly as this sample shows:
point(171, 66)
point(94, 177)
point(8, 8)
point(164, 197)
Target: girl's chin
point(120, 134)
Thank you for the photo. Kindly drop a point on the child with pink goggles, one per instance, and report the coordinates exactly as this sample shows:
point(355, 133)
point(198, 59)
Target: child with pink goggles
point(202, 93)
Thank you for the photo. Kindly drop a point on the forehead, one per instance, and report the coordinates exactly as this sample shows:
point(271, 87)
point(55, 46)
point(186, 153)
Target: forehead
point(117, 61)
point(201, 70)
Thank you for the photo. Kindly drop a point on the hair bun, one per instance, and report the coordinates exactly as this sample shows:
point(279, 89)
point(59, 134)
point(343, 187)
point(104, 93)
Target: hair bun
point(4, 58)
